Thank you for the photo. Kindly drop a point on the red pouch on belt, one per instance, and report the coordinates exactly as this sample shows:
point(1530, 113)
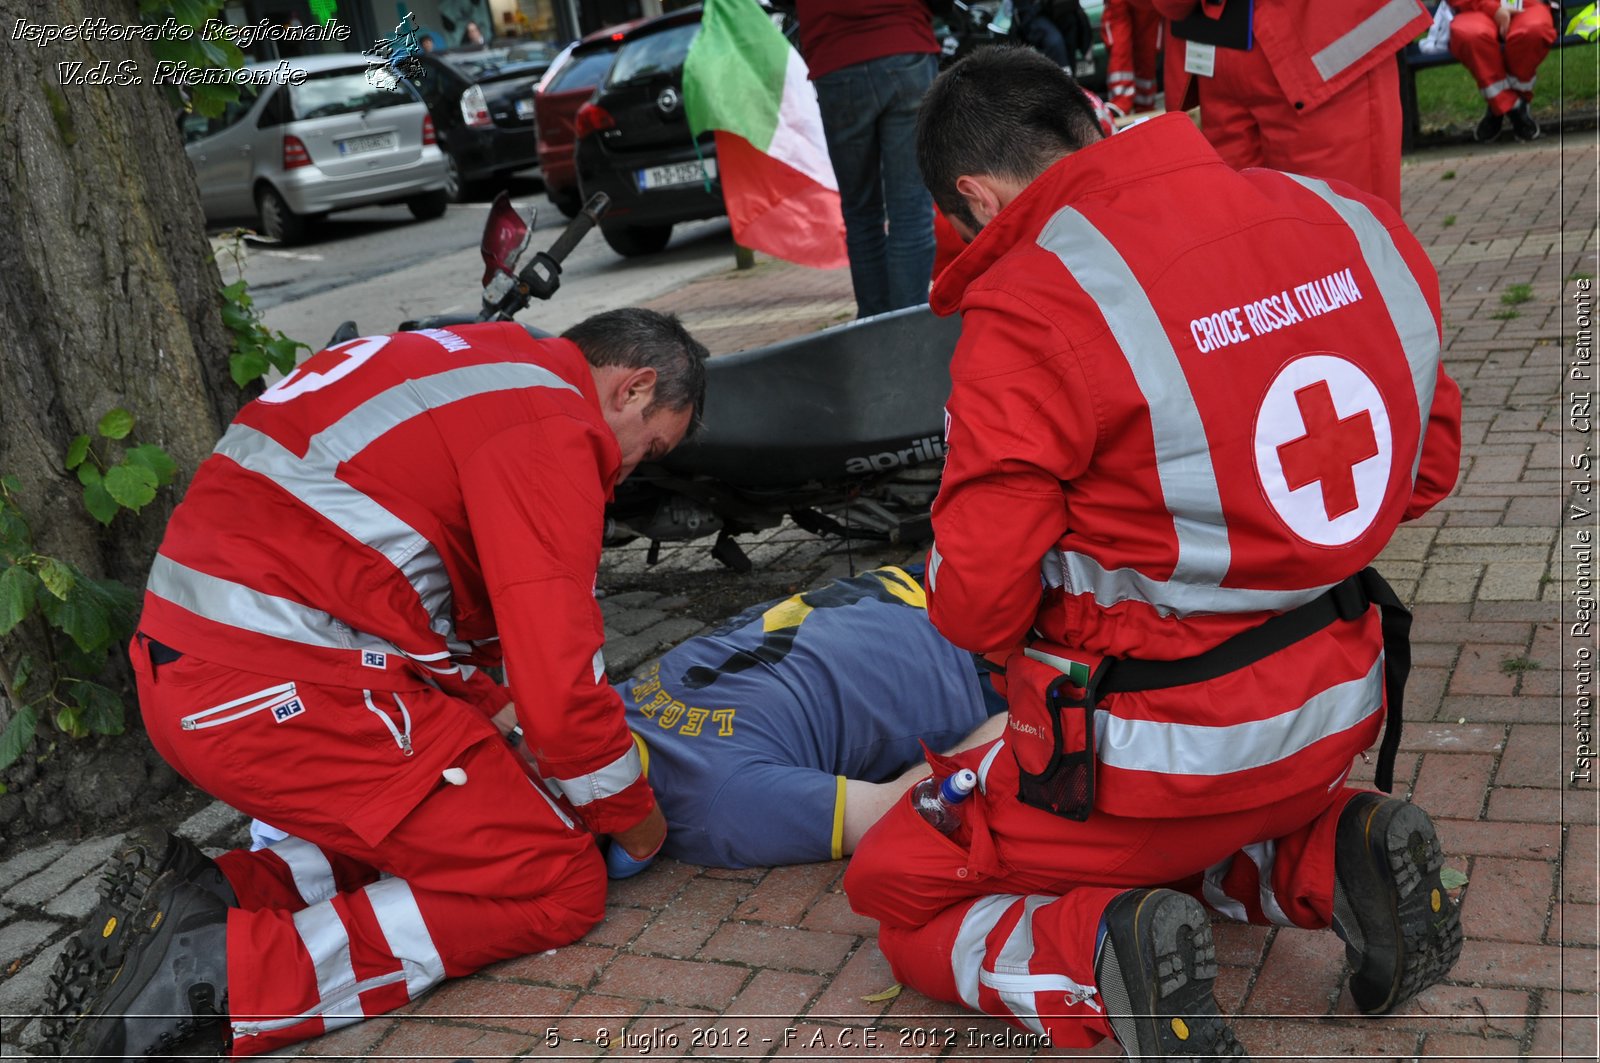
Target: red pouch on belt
point(1050, 730)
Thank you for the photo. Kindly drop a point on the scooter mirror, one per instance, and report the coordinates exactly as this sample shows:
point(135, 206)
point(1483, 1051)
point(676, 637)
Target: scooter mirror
point(505, 236)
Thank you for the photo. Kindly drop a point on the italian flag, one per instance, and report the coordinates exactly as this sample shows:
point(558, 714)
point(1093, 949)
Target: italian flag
point(742, 79)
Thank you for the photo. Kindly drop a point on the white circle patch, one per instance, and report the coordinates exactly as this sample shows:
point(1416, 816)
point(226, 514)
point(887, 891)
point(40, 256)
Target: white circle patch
point(1323, 448)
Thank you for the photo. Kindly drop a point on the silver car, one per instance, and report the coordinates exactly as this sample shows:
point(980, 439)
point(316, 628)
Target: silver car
point(288, 154)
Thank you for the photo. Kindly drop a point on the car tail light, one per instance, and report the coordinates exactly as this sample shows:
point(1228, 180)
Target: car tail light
point(592, 118)
point(474, 108)
point(428, 136)
point(295, 154)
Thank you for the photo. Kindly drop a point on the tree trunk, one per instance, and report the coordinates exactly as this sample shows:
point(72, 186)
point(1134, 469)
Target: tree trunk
point(108, 288)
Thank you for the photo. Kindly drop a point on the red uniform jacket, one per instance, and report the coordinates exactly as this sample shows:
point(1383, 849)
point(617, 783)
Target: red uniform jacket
point(1185, 399)
point(1315, 48)
point(840, 33)
point(402, 509)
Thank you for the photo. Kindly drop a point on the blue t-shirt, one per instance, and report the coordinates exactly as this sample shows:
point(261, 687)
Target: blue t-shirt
point(750, 731)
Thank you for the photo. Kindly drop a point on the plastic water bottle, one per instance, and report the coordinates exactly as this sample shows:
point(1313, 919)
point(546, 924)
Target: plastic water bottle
point(939, 800)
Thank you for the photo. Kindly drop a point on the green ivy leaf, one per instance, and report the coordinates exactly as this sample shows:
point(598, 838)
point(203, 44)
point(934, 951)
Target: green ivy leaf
point(281, 353)
point(18, 734)
point(22, 672)
point(19, 592)
point(14, 537)
point(59, 577)
point(83, 617)
point(98, 501)
point(11, 484)
point(155, 459)
point(120, 602)
point(1451, 879)
point(101, 709)
point(88, 475)
point(77, 450)
point(116, 424)
point(237, 292)
point(132, 485)
point(247, 367)
point(69, 721)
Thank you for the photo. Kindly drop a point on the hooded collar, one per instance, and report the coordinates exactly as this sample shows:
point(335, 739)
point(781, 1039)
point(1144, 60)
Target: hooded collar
point(1160, 145)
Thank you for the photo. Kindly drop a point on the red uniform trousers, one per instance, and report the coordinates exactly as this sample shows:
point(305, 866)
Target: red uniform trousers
point(1354, 136)
point(347, 920)
point(1132, 32)
point(1006, 922)
point(1505, 72)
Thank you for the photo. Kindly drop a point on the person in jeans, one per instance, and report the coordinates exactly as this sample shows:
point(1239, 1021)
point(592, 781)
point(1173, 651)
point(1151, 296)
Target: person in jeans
point(871, 61)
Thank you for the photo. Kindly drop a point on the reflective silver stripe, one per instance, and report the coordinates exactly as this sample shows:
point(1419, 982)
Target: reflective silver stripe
point(966, 955)
point(1183, 459)
point(1211, 887)
point(1196, 749)
point(1012, 975)
point(315, 484)
point(1264, 855)
point(235, 605)
point(1120, 77)
point(1495, 88)
point(309, 867)
point(1079, 573)
point(323, 935)
point(608, 781)
point(934, 561)
point(403, 928)
point(1359, 42)
point(1402, 297)
point(1522, 86)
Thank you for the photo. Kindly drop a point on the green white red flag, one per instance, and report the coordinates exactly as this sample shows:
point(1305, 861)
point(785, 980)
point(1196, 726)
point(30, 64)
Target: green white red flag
point(742, 79)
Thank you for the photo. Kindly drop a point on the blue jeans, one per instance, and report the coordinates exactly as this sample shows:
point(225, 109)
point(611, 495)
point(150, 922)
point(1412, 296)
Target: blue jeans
point(869, 114)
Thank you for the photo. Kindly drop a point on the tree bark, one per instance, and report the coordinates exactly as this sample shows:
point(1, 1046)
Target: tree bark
point(108, 288)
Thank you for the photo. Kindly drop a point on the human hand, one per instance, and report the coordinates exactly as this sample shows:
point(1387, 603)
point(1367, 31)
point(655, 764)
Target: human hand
point(643, 840)
point(620, 865)
point(1502, 19)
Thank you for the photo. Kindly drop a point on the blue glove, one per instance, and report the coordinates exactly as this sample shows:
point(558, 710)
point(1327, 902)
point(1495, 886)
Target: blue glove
point(621, 865)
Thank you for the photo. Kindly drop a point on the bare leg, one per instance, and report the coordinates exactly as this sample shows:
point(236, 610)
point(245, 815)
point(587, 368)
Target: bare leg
point(865, 802)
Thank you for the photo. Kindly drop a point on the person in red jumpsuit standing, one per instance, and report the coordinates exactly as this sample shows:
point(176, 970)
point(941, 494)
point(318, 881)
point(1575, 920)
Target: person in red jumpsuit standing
point(1503, 44)
point(1318, 94)
point(1132, 32)
point(397, 513)
point(1170, 464)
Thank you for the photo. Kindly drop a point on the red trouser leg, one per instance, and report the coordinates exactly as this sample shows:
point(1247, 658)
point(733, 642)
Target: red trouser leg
point(1242, 85)
point(1116, 29)
point(476, 872)
point(1006, 923)
point(1475, 42)
point(1528, 41)
point(1146, 57)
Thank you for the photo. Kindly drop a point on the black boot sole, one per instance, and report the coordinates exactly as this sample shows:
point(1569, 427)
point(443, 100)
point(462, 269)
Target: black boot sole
point(1164, 1007)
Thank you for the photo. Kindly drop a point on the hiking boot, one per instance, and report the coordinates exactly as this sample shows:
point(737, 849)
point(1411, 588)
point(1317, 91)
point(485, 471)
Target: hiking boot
point(1155, 969)
point(1402, 933)
point(1488, 127)
point(92, 956)
point(1523, 124)
point(173, 981)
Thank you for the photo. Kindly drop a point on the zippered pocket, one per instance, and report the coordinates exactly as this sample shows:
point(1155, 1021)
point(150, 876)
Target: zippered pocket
point(274, 697)
point(402, 733)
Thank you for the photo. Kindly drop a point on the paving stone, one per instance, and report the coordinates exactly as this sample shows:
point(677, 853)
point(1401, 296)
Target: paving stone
point(24, 992)
point(25, 863)
point(215, 820)
point(79, 900)
point(83, 860)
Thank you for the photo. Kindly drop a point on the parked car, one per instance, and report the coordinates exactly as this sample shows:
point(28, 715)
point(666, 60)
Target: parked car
point(567, 86)
point(290, 154)
point(482, 106)
point(634, 142)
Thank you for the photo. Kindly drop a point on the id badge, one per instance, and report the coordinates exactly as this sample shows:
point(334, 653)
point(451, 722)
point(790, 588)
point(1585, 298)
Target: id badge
point(1199, 59)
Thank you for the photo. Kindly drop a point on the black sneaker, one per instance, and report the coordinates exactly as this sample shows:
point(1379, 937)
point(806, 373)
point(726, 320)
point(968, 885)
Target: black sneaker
point(91, 958)
point(1523, 124)
point(1488, 127)
point(1402, 933)
point(173, 982)
point(1155, 969)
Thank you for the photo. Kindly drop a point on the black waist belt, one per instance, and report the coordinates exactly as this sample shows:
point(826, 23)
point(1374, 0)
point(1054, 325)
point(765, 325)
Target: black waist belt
point(1348, 599)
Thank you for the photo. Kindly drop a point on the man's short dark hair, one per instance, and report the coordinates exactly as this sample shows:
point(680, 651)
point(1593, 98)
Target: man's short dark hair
point(1007, 111)
point(635, 338)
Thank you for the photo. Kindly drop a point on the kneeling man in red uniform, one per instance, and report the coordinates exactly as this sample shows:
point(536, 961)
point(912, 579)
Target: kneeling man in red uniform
point(1189, 407)
point(393, 516)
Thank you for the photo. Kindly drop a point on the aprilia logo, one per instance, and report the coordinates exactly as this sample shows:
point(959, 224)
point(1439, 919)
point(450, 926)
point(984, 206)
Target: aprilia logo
point(928, 448)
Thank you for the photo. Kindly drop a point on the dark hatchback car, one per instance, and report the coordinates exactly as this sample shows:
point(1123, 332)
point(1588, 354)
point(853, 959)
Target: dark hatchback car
point(634, 142)
point(482, 107)
point(570, 82)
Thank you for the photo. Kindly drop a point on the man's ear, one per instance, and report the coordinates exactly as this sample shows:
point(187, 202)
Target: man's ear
point(636, 386)
point(982, 196)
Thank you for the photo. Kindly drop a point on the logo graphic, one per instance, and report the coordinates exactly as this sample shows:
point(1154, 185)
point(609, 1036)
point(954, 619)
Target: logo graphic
point(669, 101)
point(374, 659)
point(1323, 448)
point(287, 711)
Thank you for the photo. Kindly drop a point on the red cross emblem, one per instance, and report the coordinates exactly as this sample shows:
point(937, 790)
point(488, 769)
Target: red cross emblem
point(1329, 451)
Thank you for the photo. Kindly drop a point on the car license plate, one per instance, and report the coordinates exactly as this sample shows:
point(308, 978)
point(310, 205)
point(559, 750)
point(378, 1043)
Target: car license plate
point(370, 142)
point(525, 109)
point(680, 173)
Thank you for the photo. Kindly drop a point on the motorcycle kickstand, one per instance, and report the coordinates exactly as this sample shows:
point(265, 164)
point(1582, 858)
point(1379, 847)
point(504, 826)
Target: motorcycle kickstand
point(730, 553)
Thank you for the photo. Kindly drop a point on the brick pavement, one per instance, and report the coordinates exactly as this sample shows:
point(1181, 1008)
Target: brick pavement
point(773, 962)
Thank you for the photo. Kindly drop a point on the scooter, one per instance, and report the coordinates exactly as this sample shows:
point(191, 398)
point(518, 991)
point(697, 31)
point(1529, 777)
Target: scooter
point(841, 430)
